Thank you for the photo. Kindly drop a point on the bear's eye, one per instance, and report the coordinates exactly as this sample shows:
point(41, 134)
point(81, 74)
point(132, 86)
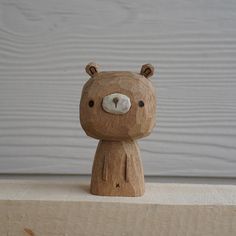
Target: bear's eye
point(91, 103)
point(141, 103)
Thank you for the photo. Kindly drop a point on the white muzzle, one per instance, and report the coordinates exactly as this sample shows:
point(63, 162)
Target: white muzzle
point(116, 103)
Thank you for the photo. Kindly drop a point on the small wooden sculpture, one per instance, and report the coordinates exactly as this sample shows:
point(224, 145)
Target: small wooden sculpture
point(118, 107)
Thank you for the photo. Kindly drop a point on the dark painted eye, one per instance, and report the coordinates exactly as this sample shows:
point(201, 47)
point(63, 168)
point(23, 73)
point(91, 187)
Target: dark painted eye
point(141, 103)
point(91, 103)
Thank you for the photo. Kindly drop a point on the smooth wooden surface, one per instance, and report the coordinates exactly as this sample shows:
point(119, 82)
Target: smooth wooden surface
point(76, 188)
point(44, 46)
point(61, 207)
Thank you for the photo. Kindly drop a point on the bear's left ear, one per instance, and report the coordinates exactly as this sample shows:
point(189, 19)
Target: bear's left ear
point(92, 69)
point(147, 70)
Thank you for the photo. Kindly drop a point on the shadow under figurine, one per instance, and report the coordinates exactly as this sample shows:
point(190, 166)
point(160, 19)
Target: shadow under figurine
point(118, 107)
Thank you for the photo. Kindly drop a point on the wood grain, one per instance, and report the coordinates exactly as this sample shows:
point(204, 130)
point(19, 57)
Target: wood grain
point(43, 51)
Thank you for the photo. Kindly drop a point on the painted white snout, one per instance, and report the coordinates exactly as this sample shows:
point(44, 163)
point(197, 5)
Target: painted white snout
point(116, 103)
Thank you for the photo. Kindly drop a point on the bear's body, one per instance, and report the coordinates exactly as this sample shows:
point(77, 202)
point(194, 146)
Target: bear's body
point(117, 169)
point(118, 108)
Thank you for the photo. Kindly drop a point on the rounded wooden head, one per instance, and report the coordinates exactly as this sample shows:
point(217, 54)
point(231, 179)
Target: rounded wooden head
point(118, 105)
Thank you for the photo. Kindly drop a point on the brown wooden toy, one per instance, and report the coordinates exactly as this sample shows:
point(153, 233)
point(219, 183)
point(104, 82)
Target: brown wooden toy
point(118, 107)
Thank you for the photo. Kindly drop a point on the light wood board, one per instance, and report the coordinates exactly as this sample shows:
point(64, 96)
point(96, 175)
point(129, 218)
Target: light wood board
point(44, 46)
point(61, 207)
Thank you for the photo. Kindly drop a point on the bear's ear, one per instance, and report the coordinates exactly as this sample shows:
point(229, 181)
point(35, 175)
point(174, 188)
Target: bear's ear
point(92, 69)
point(147, 70)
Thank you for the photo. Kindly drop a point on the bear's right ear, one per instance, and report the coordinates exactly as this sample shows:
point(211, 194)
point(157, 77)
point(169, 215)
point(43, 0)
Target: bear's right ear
point(92, 69)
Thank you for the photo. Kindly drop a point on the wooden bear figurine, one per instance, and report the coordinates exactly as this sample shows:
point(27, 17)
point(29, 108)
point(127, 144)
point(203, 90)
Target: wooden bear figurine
point(118, 107)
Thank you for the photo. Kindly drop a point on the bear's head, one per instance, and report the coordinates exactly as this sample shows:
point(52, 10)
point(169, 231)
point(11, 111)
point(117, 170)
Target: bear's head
point(118, 105)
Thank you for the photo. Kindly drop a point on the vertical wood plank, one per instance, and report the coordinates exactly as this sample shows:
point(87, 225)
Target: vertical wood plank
point(44, 48)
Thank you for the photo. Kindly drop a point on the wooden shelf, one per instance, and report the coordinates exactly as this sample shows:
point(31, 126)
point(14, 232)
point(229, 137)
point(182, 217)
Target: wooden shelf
point(66, 208)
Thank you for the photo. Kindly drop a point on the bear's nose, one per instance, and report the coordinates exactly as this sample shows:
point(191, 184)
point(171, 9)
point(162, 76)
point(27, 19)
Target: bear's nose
point(116, 103)
point(115, 100)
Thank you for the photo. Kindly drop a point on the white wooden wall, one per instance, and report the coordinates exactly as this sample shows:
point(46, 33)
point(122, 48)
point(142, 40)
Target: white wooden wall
point(44, 46)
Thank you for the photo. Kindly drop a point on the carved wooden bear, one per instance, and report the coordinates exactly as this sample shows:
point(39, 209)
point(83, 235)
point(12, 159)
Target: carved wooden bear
point(118, 107)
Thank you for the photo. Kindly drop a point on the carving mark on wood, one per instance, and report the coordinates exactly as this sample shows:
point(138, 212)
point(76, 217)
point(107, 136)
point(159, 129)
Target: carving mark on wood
point(146, 72)
point(127, 168)
point(105, 169)
point(93, 70)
